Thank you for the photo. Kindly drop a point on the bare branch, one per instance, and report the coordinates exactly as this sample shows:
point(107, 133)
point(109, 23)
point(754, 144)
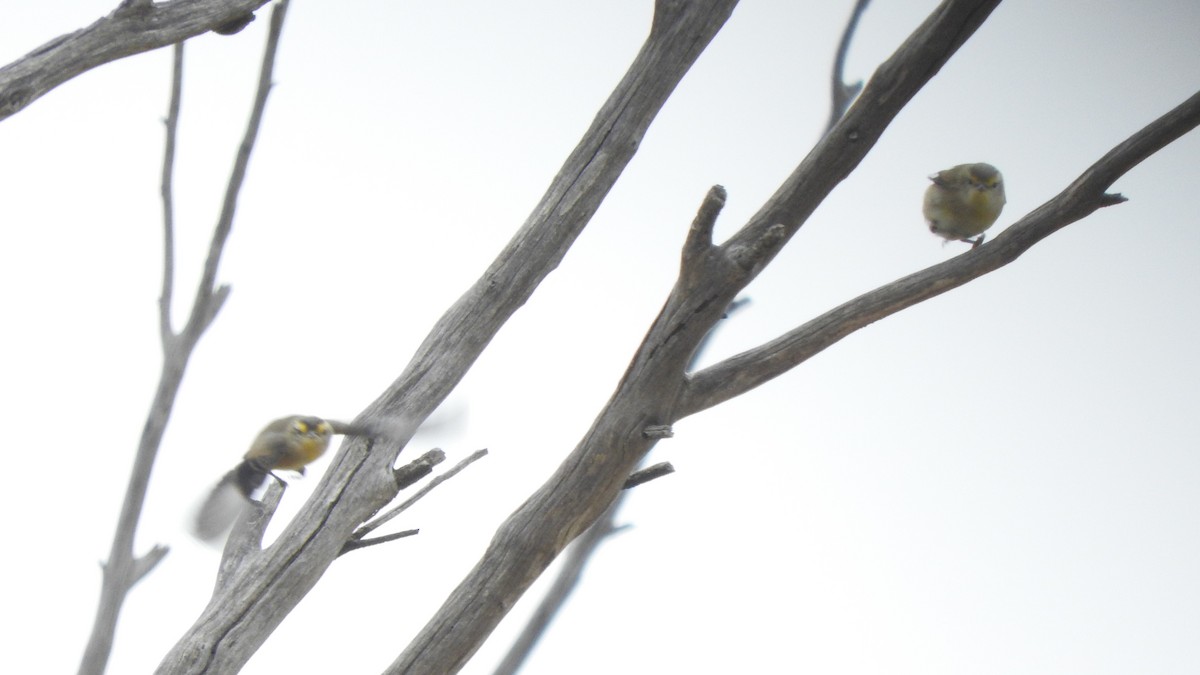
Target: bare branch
point(842, 92)
point(206, 294)
point(122, 571)
point(132, 28)
point(745, 371)
point(589, 480)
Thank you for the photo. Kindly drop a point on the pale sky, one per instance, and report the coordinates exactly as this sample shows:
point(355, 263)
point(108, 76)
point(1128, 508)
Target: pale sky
point(1000, 480)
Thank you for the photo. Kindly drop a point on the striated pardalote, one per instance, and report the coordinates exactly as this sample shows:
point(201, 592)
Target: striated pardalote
point(288, 443)
point(964, 201)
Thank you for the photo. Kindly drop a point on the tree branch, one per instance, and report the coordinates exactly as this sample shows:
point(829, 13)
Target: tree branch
point(580, 552)
point(132, 28)
point(588, 481)
point(839, 152)
point(745, 371)
point(122, 570)
point(360, 483)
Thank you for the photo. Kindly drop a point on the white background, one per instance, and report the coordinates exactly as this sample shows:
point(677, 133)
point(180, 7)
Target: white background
point(1003, 479)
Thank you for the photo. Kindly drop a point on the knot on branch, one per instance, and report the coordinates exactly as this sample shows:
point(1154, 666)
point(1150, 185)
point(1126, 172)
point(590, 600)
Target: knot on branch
point(417, 469)
point(658, 431)
point(234, 25)
point(748, 256)
point(648, 474)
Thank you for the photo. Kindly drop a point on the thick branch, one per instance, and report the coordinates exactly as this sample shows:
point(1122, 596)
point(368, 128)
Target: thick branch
point(132, 28)
point(577, 558)
point(839, 152)
point(591, 477)
point(745, 371)
point(359, 483)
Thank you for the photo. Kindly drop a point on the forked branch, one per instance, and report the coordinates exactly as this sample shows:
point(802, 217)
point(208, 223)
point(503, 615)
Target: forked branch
point(586, 483)
point(745, 371)
point(123, 570)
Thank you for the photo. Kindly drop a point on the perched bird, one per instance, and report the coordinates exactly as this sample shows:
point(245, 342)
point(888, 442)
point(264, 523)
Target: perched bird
point(964, 201)
point(288, 443)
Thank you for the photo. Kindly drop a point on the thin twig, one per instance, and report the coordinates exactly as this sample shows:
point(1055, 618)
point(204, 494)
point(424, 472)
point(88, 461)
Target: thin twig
point(168, 280)
point(237, 176)
point(842, 92)
point(356, 544)
point(585, 484)
point(366, 529)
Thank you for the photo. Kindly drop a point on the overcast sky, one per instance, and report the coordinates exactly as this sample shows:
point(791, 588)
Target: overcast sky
point(1000, 480)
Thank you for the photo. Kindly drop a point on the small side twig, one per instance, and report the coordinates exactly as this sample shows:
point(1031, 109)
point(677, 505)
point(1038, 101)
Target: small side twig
point(355, 544)
point(648, 474)
point(369, 527)
point(167, 334)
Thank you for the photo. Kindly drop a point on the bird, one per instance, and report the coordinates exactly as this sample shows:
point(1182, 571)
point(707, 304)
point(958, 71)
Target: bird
point(288, 443)
point(964, 201)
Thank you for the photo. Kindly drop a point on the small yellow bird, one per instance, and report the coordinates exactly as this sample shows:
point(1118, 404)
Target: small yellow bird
point(288, 443)
point(964, 201)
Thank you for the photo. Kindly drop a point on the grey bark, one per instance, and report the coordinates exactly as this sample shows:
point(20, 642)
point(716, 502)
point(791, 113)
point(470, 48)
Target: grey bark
point(359, 483)
point(132, 28)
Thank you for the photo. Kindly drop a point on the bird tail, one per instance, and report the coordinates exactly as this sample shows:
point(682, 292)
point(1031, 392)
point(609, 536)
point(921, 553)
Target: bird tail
point(227, 499)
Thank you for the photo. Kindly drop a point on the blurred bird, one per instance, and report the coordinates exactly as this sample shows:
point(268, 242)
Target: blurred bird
point(964, 201)
point(288, 443)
